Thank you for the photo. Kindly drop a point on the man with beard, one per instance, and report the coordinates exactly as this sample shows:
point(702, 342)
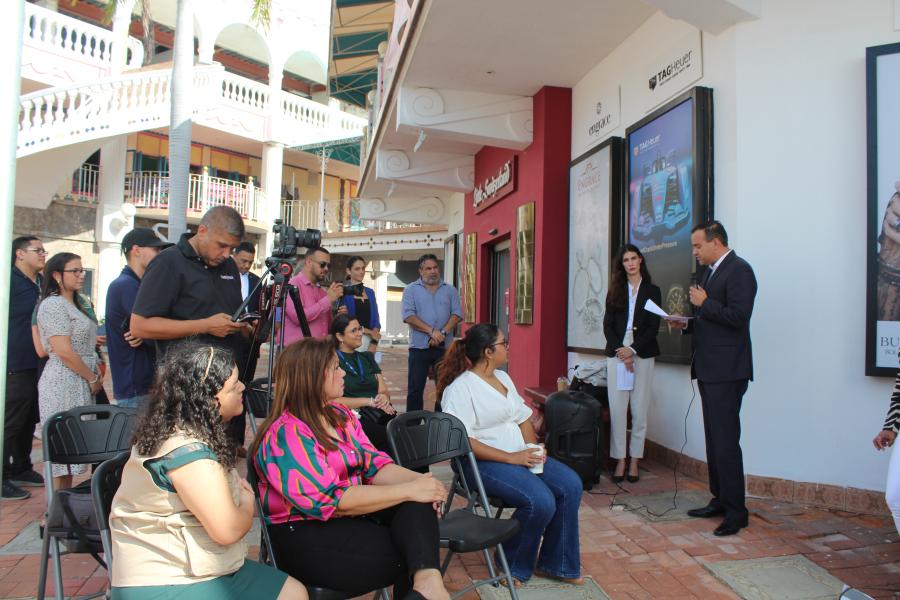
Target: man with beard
point(431, 308)
point(316, 300)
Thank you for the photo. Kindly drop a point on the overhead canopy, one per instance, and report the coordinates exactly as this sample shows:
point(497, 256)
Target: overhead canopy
point(359, 27)
point(346, 150)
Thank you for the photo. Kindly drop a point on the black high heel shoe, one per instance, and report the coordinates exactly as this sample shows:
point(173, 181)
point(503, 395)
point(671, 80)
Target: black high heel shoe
point(617, 478)
point(633, 478)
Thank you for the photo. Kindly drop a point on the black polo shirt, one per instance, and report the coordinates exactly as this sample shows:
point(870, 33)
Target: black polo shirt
point(23, 297)
point(179, 285)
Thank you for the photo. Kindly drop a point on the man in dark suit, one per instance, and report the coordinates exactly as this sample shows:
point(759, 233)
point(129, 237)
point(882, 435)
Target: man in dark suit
point(722, 366)
point(243, 256)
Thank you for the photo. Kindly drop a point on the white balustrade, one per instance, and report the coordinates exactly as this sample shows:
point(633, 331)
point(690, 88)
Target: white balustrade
point(245, 92)
point(308, 113)
point(66, 115)
point(139, 101)
point(72, 37)
point(150, 189)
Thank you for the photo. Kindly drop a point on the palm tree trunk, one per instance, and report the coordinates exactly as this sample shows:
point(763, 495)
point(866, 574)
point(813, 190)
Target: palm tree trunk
point(180, 123)
point(147, 25)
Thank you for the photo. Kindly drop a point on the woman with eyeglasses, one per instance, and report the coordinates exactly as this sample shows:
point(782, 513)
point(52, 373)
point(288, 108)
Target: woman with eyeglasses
point(474, 389)
point(365, 390)
point(180, 516)
point(71, 376)
point(341, 514)
point(360, 303)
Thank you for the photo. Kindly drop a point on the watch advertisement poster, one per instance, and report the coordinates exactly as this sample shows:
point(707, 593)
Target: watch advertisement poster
point(883, 235)
point(669, 170)
point(595, 196)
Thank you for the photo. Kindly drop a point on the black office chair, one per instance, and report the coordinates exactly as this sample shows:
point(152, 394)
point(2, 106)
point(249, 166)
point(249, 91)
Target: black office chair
point(422, 438)
point(104, 485)
point(83, 435)
point(267, 555)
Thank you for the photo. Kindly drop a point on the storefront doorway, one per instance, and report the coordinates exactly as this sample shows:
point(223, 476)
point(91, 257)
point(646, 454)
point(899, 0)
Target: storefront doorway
point(500, 286)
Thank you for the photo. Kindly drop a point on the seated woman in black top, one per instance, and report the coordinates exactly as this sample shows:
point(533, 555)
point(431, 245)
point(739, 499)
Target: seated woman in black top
point(364, 385)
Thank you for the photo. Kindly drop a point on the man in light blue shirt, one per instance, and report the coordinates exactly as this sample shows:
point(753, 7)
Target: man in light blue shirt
point(432, 310)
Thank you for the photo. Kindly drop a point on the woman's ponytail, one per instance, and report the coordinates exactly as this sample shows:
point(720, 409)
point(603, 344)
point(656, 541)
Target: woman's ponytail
point(450, 367)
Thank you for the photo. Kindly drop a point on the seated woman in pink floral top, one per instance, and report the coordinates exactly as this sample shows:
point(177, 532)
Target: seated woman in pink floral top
point(316, 467)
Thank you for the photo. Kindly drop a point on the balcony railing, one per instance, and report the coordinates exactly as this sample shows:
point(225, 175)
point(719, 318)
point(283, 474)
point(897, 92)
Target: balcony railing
point(70, 37)
point(150, 189)
point(302, 214)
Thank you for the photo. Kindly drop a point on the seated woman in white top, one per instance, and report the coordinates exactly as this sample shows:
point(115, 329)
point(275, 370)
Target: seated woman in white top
point(474, 390)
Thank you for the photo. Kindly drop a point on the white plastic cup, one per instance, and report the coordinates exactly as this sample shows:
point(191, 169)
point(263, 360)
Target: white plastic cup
point(539, 450)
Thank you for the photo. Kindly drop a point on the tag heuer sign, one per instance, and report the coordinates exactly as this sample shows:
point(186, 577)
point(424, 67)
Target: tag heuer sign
point(496, 186)
point(680, 65)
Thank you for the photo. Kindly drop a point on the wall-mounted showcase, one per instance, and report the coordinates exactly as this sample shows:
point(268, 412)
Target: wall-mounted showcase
point(669, 156)
point(595, 201)
point(883, 239)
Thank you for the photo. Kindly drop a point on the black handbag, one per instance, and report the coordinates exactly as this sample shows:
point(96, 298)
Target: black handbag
point(375, 415)
point(73, 510)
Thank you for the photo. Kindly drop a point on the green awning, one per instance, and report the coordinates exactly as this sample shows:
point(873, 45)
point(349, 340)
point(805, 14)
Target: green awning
point(346, 150)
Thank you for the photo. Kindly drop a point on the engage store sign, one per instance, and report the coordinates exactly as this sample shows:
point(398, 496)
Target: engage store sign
point(495, 187)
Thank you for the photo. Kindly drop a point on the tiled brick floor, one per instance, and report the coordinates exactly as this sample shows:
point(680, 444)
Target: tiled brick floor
point(629, 557)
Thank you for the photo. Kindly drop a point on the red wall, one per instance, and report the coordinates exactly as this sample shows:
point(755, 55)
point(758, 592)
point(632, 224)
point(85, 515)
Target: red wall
point(538, 351)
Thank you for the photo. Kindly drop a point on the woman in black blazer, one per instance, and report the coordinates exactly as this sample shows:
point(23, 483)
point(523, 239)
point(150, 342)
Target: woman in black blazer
point(631, 346)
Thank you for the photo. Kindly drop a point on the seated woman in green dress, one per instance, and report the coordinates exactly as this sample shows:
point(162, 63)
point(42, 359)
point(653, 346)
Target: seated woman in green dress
point(179, 518)
point(365, 390)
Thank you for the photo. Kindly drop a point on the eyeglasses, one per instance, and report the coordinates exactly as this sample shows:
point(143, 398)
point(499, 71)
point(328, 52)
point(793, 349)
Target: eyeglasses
point(504, 343)
point(75, 272)
point(39, 251)
point(324, 264)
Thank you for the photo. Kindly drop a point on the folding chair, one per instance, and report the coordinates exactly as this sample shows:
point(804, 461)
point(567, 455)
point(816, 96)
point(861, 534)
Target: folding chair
point(83, 435)
point(104, 485)
point(267, 555)
point(421, 438)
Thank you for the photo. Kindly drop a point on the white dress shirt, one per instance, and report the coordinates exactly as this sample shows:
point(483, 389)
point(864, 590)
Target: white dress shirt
point(245, 285)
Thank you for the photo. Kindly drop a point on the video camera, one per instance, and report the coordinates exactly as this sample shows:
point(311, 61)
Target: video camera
point(353, 289)
point(289, 239)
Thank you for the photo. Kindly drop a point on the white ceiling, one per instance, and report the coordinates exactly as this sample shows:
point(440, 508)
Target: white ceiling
point(527, 44)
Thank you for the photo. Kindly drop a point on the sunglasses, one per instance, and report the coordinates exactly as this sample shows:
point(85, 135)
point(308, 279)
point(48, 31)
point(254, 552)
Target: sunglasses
point(75, 272)
point(324, 264)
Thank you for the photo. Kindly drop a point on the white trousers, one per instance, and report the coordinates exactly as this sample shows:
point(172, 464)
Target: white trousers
point(892, 491)
point(639, 398)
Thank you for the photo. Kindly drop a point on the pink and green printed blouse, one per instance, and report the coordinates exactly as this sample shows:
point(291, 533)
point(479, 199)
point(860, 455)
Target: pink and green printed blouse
point(300, 480)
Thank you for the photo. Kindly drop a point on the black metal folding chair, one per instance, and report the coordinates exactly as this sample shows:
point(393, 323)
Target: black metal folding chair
point(104, 485)
point(421, 438)
point(83, 435)
point(267, 555)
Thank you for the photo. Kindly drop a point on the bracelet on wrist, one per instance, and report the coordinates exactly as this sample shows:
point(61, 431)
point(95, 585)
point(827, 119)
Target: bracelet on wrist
point(94, 380)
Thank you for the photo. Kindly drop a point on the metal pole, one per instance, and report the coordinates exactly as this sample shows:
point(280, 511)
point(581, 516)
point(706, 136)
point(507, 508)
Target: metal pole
point(11, 40)
point(322, 190)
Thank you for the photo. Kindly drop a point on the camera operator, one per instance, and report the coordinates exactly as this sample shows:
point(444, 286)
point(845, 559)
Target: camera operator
point(192, 288)
point(360, 302)
point(316, 300)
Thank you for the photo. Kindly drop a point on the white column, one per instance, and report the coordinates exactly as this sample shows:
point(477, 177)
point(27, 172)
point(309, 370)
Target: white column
point(120, 26)
point(112, 224)
point(206, 47)
point(270, 182)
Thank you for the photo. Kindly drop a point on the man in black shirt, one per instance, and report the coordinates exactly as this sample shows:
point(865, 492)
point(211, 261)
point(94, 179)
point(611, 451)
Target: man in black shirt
point(21, 369)
point(192, 288)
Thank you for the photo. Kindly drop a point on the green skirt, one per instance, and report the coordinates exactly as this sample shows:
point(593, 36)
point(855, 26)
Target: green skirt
point(253, 580)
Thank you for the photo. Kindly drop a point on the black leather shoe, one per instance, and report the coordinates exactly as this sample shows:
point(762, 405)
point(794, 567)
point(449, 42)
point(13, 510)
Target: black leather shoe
point(706, 512)
point(730, 527)
point(617, 478)
point(633, 478)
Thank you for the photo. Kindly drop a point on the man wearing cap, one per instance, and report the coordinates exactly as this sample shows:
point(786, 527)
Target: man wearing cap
point(131, 359)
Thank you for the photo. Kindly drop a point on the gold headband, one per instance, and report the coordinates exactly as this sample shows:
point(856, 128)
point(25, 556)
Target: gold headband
point(208, 365)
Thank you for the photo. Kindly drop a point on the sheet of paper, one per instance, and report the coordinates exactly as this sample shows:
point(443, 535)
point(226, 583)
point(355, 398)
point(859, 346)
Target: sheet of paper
point(652, 307)
point(624, 378)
